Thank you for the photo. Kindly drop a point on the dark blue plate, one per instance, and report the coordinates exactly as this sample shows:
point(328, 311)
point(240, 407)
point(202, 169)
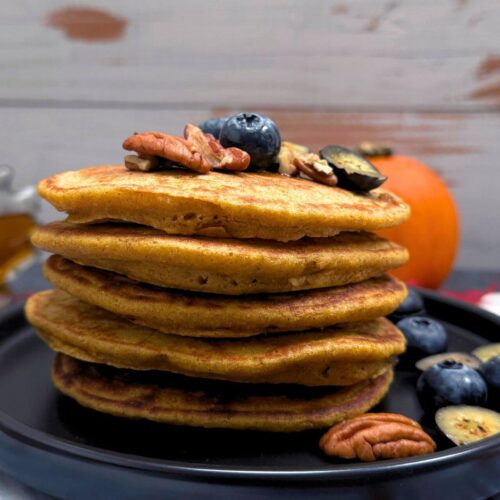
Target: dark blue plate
point(52, 444)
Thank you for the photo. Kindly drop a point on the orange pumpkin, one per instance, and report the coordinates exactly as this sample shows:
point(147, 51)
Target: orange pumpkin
point(432, 233)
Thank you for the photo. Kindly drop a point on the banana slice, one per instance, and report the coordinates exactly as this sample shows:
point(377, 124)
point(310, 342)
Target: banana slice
point(486, 352)
point(466, 424)
point(459, 357)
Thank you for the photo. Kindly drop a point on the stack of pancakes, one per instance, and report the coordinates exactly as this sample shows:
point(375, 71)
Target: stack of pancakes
point(234, 300)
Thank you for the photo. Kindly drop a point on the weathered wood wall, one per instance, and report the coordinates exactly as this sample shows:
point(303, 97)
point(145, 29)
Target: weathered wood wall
point(76, 78)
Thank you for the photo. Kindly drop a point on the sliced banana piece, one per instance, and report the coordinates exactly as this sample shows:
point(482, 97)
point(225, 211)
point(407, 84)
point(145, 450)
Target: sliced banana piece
point(466, 424)
point(486, 352)
point(459, 357)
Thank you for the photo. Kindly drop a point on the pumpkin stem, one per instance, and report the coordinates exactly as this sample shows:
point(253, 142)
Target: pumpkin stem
point(371, 149)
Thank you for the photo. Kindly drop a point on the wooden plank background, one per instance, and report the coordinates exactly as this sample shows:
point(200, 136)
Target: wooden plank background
point(75, 78)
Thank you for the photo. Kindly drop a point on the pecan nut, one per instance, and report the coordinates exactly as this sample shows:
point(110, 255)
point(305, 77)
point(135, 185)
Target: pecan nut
point(196, 150)
point(144, 163)
point(317, 169)
point(287, 154)
point(377, 435)
point(213, 151)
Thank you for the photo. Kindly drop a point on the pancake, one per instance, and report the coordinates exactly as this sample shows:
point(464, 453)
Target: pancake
point(336, 356)
point(235, 205)
point(204, 315)
point(221, 265)
point(200, 403)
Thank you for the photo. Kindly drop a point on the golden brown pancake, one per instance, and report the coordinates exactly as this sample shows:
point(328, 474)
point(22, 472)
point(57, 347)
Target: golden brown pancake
point(203, 315)
point(235, 205)
point(195, 402)
point(339, 356)
point(221, 265)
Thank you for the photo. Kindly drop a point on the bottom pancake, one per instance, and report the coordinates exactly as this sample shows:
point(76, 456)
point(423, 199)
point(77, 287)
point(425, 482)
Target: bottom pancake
point(178, 400)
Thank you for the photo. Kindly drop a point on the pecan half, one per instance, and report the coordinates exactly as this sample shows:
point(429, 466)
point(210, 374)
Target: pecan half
point(213, 152)
point(287, 154)
point(144, 163)
point(377, 435)
point(197, 151)
point(317, 169)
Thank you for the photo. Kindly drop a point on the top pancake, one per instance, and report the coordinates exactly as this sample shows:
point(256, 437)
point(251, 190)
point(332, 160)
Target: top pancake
point(220, 265)
point(237, 205)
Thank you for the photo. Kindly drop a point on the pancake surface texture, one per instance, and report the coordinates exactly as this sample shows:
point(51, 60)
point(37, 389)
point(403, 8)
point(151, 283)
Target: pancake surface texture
point(176, 400)
point(221, 265)
point(335, 356)
point(239, 205)
point(205, 315)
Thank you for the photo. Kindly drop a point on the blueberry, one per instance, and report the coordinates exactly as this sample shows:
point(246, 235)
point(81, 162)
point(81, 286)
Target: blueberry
point(353, 171)
point(413, 304)
point(213, 126)
point(450, 383)
point(424, 336)
point(256, 134)
point(491, 372)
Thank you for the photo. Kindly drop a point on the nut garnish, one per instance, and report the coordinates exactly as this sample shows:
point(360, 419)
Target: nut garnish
point(288, 152)
point(294, 159)
point(213, 152)
point(317, 169)
point(377, 435)
point(144, 163)
point(197, 151)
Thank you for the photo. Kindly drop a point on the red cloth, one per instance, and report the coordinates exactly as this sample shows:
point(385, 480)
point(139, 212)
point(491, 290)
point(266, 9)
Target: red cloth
point(472, 296)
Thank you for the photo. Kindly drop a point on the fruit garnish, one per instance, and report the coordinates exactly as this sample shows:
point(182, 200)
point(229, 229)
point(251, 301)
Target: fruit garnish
point(459, 357)
point(450, 383)
point(352, 170)
point(256, 134)
point(467, 424)
point(413, 304)
point(491, 373)
point(486, 352)
point(370, 149)
point(424, 336)
point(213, 126)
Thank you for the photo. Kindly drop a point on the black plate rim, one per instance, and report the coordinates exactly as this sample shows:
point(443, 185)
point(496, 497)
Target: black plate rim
point(45, 442)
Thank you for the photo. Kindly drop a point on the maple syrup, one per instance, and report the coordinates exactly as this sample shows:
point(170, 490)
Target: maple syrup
point(15, 246)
